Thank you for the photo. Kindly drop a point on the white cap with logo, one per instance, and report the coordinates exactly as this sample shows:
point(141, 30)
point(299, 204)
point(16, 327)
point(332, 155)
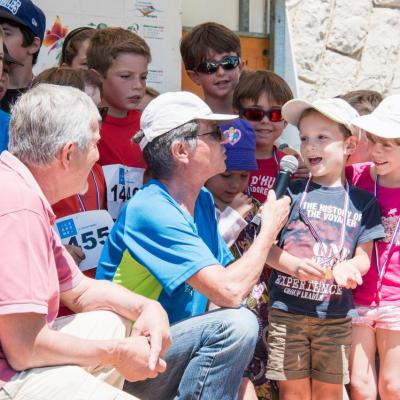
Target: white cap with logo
point(337, 110)
point(384, 121)
point(173, 109)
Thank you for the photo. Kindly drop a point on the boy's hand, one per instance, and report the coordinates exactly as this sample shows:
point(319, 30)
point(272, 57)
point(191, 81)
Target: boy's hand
point(302, 171)
point(309, 270)
point(76, 252)
point(347, 275)
point(242, 204)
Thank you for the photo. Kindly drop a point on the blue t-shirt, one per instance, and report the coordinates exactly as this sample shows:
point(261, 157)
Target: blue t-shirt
point(155, 247)
point(4, 125)
point(323, 208)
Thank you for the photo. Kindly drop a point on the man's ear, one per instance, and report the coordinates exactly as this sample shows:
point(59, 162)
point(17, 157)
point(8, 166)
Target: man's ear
point(194, 76)
point(180, 152)
point(350, 145)
point(35, 46)
point(65, 154)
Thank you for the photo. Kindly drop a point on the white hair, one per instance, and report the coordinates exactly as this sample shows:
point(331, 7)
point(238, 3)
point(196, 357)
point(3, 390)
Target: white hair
point(46, 118)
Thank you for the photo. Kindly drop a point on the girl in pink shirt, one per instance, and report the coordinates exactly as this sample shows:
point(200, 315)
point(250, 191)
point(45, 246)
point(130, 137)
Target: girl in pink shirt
point(377, 327)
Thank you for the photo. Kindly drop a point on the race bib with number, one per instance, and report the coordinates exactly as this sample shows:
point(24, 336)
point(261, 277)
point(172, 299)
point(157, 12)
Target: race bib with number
point(88, 230)
point(122, 183)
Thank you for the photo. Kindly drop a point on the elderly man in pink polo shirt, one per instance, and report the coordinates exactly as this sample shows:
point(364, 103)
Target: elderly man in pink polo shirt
point(54, 132)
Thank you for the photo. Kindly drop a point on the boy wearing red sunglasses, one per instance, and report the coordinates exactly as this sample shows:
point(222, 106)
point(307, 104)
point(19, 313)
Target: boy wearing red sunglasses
point(211, 54)
point(258, 98)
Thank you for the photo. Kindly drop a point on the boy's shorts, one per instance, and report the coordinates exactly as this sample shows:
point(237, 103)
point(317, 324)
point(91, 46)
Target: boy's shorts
point(300, 347)
point(382, 317)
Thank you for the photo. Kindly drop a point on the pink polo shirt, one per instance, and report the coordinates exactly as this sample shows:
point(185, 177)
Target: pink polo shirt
point(35, 267)
point(389, 204)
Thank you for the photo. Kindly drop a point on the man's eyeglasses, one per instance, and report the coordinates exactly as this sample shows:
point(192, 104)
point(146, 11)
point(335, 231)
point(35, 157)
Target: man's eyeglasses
point(211, 67)
point(274, 114)
point(216, 134)
point(103, 112)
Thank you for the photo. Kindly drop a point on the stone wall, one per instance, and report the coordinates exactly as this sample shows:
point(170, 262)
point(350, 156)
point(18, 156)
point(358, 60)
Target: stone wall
point(343, 45)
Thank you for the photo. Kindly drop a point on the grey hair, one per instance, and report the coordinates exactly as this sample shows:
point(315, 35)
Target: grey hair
point(157, 153)
point(46, 118)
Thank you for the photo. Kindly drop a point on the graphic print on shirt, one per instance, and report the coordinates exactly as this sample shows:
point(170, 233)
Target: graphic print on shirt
point(327, 221)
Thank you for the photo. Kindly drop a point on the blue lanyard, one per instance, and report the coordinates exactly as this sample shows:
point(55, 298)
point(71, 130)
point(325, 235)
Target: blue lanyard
point(80, 197)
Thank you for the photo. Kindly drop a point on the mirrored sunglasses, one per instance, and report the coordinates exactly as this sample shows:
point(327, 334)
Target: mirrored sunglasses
point(211, 67)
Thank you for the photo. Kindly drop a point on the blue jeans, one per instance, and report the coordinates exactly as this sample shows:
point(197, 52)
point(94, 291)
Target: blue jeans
point(206, 359)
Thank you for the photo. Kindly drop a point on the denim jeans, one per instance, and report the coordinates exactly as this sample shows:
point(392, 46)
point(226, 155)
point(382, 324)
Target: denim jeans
point(206, 359)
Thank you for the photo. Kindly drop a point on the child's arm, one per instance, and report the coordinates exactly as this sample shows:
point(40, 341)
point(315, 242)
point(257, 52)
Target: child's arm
point(304, 269)
point(349, 273)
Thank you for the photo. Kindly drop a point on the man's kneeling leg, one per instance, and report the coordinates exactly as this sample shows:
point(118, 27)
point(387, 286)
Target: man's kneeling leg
point(206, 359)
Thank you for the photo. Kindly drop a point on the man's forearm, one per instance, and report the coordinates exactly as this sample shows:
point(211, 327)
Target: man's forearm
point(41, 346)
point(92, 295)
point(245, 272)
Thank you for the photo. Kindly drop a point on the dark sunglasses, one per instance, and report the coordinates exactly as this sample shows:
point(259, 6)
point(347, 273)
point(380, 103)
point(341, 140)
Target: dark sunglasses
point(103, 112)
point(274, 114)
point(216, 134)
point(211, 67)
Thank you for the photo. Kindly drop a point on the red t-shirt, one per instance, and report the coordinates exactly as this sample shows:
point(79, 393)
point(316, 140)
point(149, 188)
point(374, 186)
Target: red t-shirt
point(263, 180)
point(116, 146)
point(389, 204)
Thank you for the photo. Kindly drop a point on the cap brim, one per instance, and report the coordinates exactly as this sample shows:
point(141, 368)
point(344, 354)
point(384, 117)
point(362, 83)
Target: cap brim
point(293, 109)
point(6, 15)
point(378, 126)
point(218, 117)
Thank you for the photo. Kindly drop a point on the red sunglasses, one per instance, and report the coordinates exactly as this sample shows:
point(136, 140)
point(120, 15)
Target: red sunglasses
point(274, 114)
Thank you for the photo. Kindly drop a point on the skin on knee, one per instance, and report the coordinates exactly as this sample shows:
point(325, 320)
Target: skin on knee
point(326, 391)
point(389, 354)
point(295, 389)
point(363, 380)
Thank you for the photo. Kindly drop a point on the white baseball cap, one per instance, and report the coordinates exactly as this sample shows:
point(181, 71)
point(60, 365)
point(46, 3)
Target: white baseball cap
point(337, 110)
point(173, 109)
point(384, 121)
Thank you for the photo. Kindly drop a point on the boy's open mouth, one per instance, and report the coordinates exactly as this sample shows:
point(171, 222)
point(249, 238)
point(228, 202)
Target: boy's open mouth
point(314, 160)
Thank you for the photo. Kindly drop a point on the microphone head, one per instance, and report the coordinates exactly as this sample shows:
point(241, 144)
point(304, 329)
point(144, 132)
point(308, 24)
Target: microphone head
point(289, 164)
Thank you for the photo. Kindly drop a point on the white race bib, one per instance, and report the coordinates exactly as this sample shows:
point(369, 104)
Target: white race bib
point(89, 230)
point(122, 183)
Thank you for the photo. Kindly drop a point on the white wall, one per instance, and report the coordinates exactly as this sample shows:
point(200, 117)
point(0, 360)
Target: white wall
point(226, 12)
point(161, 29)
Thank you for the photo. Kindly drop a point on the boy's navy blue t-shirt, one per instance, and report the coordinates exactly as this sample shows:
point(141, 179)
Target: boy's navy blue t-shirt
point(323, 208)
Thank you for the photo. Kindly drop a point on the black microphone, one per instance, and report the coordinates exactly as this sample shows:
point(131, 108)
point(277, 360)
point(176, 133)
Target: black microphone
point(287, 167)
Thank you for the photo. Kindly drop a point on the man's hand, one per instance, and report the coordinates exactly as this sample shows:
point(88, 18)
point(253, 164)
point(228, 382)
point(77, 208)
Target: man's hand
point(153, 323)
point(242, 204)
point(347, 275)
point(76, 252)
point(274, 213)
point(309, 270)
point(133, 355)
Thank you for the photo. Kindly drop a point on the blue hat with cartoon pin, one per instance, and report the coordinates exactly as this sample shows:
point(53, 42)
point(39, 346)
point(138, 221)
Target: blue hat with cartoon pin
point(240, 146)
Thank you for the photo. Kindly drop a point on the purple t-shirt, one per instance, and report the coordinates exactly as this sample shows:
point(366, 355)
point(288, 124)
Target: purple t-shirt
point(323, 208)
